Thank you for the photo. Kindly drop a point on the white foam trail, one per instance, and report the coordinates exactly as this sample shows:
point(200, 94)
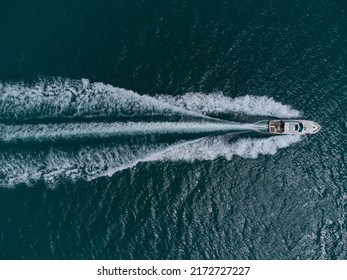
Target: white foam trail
point(93, 162)
point(53, 165)
point(43, 132)
point(212, 148)
point(65, 98)
point(217, 103)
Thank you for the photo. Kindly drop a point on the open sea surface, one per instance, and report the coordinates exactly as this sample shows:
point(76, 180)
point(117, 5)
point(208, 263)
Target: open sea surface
point(136, 129)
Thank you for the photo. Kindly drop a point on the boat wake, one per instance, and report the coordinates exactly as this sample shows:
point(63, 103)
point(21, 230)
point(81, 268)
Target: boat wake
point(100, 119)
point(11, 134)
point(58, 98)
point(217, 103)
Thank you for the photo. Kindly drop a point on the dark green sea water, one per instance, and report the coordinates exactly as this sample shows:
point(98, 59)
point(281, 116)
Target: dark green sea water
point(109, 143)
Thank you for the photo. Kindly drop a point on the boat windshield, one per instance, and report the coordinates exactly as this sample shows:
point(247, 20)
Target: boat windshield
point(296, 127)
point(293, 127)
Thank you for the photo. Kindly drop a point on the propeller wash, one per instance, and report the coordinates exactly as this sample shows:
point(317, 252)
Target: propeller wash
point(58, 128)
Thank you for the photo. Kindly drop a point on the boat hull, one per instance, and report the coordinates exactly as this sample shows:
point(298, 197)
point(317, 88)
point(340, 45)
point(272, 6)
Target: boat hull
point(293, 127)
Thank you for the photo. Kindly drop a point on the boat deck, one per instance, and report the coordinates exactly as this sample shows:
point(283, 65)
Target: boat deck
point(276, 126)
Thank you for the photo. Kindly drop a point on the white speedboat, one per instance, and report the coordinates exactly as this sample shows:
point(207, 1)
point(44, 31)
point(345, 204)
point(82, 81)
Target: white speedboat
point(293, 127)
